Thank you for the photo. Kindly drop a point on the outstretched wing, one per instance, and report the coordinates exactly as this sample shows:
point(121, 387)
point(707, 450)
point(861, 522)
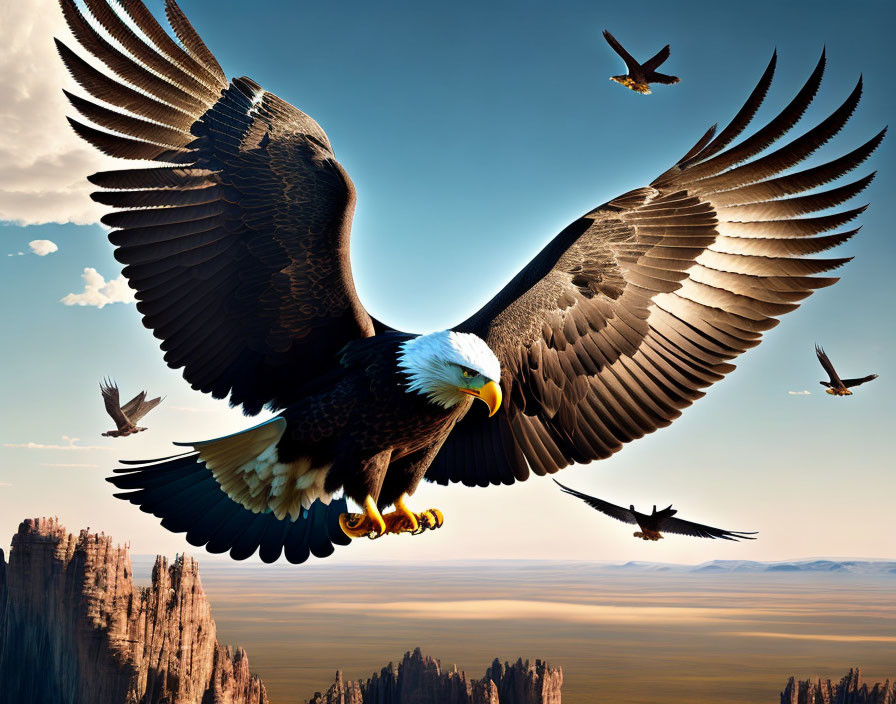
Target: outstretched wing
point(132, 405)
point(630, 63)
point(849, 383)
point(621, 321)
point(144, 408)
point(664, 78)
point(828, 367)
point(238, 246)
point(654, 62)
point(612, 510)
point(698, 530)
point(184, 493)
point(109, 390)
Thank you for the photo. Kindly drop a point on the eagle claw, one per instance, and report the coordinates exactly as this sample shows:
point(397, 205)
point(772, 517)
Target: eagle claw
point(370, 523)
point(400, 522)
point(358, 525)
point(429, 520)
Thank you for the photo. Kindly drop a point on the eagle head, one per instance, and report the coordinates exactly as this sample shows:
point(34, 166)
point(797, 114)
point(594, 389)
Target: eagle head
point(446, 366)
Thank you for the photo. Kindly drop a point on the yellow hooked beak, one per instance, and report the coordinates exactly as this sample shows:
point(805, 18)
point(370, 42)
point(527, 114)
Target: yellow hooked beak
point(490, 393)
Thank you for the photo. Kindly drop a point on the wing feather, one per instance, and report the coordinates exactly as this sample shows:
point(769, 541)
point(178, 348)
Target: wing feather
point(630, 63)
point(132, 405)
point(655, 61)
point(192, 41)
point(849, 383)
point(828, 367)
point(632, 311)
point(109, 391)
point(238, 250)
point(611, 510)
point(145, 407)
point(679, 526)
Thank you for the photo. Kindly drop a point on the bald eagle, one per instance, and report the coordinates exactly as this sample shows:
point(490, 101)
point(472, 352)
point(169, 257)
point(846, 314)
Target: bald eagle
point(237, 245)
point(652, 523)
point(640, 76)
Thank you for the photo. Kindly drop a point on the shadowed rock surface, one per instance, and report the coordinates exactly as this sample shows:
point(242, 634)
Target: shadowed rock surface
point(850, 690)
point(419, 679)
point(75, 630)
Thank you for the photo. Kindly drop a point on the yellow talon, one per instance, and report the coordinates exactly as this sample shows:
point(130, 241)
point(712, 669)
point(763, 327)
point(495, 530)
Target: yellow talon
point(403, 520)
point(358, 525)
point(432, 519)
point(407, 513)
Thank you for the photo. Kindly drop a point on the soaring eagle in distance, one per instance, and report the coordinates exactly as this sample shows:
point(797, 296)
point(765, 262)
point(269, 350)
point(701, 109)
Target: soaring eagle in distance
point(837, 386)
point(125, 416)
point(237, 245)
point(653, 525)
point(640, 76)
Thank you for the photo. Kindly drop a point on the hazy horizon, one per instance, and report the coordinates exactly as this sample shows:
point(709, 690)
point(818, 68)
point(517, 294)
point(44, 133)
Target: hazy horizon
point(683, 638)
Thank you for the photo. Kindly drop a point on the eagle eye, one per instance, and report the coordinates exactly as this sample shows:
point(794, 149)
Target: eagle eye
point(468, 373)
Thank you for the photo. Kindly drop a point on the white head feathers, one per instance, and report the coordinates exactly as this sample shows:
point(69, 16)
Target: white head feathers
point(432, 363)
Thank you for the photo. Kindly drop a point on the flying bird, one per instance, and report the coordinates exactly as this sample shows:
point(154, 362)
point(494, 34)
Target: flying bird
point(837, 386)
point(652, 525)
point(237, 246)
point(640, 76)
point(125, 416)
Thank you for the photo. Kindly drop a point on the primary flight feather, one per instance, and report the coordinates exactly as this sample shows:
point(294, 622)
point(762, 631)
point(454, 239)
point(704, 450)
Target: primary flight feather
point(237, 245)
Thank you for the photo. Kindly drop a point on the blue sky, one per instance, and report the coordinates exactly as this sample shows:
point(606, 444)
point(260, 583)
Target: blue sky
point(474, 132)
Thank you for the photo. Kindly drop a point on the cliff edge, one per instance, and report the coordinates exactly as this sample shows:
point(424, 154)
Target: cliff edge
point(75, 630)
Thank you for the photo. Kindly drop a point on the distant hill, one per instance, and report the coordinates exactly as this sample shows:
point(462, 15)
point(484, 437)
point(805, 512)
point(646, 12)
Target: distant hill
point(857, 567)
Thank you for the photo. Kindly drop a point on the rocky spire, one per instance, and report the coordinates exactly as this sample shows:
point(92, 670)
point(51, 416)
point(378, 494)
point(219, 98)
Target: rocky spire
point(850, 690)
point(75, 630)
point(420, 679)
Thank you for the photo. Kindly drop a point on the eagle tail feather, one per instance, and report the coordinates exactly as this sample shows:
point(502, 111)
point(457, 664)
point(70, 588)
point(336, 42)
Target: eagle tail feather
point(185, 493)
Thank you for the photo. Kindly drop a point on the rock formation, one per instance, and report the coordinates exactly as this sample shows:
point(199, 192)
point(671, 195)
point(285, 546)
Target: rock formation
point(75, 630)
point(419, 679)
point(851, 690)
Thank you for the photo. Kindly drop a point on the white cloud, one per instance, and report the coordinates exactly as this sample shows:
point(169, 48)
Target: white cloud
point(804, 392)
point(43, 247)
point(99, 292)
point(43, 163)
point(71, 445)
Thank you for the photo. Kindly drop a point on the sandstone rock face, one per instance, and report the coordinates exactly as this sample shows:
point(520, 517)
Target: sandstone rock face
point(850, 690)
point(419, 679)
point(75, 630)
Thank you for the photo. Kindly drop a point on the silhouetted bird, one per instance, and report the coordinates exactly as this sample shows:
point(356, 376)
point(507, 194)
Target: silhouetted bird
point(836, 385)
point(126, 416)
point(640, 76)
point(651, 525)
